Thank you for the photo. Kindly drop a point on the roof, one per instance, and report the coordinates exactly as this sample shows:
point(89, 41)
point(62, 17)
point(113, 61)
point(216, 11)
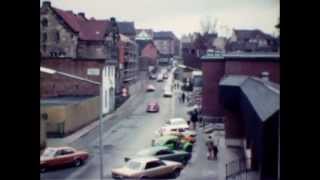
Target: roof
point(247, 34)
point(91, 30)
point(245, 55)
point(264, 96)
point(164, 35)
point(54, 101)
point(148, 31)
point(126, 28)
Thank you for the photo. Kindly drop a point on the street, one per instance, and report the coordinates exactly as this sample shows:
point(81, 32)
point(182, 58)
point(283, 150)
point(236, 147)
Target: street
point(121, 137)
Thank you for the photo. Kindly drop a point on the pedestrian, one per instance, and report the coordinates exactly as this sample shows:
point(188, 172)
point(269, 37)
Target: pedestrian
point(183, 96)
point(194, 118)
point(210, 146)
point(215, 151)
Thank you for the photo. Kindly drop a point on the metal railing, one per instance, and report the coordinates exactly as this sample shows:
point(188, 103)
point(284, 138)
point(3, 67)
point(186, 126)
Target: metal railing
point(238, 169)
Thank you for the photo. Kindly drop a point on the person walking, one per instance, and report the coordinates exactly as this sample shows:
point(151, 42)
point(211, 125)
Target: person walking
point(183, 96)
point(194, 118)
point(210, 146)
point(215, 151)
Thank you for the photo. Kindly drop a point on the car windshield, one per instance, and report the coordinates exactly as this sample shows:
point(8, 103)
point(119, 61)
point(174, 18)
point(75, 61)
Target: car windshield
point(48, 153)
point(134, 165)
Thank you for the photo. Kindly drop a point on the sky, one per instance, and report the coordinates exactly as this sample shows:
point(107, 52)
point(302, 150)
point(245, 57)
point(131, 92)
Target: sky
point(182, 16)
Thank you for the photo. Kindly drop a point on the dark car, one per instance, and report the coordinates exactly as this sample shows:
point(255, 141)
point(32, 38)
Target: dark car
point(164, 153)
point(153, 107)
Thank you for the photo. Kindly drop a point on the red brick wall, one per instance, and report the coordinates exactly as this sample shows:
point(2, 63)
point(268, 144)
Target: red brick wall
point(151, 52)
point(212, 73)
point(57, 85)
point(254, 68)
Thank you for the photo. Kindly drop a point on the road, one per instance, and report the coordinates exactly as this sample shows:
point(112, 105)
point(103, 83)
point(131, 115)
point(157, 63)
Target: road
point(121, 138)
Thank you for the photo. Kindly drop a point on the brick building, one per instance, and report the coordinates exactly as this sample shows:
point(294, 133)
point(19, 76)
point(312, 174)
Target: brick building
point(77, 45)
point(148, 54)
point(165, 41)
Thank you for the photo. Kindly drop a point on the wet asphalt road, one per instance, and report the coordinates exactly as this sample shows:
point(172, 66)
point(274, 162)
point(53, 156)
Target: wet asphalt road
point(121, 138)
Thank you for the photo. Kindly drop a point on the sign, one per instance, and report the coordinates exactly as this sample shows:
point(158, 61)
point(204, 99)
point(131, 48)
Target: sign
point(93, 72)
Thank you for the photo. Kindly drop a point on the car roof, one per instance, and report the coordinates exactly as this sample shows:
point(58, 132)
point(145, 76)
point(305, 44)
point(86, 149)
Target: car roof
point(59, 148)
point(145, 159)
point(176, 119)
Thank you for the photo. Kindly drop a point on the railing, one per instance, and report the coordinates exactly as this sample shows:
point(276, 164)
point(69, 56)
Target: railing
point(238, 169)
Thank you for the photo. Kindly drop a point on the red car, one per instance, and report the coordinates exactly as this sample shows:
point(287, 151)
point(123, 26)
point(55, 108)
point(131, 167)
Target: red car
point(61, 156)
point(153, 107)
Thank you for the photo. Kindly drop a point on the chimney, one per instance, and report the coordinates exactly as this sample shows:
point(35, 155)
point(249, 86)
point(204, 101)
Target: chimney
point(46, 4)
point(265, 76)
point(82, 15)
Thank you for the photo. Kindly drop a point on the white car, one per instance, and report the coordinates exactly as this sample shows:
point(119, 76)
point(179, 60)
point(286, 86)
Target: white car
point(160, 78)
point(167, 92)
point(147, 167)
point(174, 126)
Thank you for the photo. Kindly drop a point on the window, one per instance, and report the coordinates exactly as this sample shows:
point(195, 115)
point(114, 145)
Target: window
point(57, 36)
point(44, 22)
point(164, 152)
point(44, 48)
point(44, 37)
point(153, 164)
point(66, 151)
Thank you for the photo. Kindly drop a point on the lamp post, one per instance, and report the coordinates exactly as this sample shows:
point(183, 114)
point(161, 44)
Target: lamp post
point(52, 71)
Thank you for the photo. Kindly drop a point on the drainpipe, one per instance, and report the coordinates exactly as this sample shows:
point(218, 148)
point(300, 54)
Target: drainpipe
point(279, 148)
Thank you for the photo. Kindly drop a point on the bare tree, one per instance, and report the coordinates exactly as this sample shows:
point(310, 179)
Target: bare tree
point(208, 26)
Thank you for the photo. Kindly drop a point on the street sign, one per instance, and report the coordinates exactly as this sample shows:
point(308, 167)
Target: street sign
point(93, 72)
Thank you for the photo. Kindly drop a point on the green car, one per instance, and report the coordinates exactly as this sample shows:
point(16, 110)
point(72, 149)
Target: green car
point(163, 153)
point(173, 143)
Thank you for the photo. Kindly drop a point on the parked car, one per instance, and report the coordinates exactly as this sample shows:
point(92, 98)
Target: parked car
point(61, 156)
point(150, 88)
point(153, 107)
point(165, 76)
point(152, 77)
point(147, 167)
point(160, 78)
point(174, 125)
point(167, 92)
point(173, 143)
point(163, 153)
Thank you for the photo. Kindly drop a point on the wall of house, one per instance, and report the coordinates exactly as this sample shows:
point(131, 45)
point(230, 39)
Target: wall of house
point(91, 50)
point(254, 68)
point(81, 114)
point(56, 118)
point(151, 53)
point(56, 85)
point(212, 73)
point(163, 46)
point(68, 39)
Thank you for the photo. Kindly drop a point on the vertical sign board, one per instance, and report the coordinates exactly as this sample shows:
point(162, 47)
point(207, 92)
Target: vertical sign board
point(93, 72)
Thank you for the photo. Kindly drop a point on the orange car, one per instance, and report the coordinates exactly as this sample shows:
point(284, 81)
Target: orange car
point(61, 156)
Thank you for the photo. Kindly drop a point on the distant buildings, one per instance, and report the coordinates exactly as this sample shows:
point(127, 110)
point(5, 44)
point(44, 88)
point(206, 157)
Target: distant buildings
point(167, 44)
point(251, 41)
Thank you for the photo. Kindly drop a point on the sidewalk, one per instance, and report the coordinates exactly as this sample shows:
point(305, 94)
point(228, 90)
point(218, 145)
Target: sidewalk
point(123, 111)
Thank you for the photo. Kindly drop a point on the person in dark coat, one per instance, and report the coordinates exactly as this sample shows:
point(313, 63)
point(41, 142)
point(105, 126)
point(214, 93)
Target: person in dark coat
point(194, 118)
point(183, 96)
point(210, 146)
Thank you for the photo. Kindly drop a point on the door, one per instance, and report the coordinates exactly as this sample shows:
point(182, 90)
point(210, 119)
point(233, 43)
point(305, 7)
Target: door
point(155, 169)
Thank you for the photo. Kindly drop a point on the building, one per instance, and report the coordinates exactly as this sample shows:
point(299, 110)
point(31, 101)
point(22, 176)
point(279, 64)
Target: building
point(148, 54)
point(252, 117)
point(165, 43)
point(144, 34)
point(251, 41)
point(127, 29)
point(74, 44)
point(242, 89)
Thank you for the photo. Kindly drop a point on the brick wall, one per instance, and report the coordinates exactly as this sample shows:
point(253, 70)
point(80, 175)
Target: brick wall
point(91, 50)
point(254, 68)
point(212, 73)
point(150, 52)
point(234, 125)
point(57, 85)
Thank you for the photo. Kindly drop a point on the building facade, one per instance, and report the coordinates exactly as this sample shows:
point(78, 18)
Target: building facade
point(73, 44)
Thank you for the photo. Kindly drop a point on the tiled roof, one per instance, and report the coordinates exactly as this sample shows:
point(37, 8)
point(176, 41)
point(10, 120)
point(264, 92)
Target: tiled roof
point(148, 31)
point(247, 34)
point(92, 30)
point(127, 28)
point(164, 35)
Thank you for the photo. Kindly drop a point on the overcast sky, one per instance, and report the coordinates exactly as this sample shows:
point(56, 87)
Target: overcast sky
point(182, 16)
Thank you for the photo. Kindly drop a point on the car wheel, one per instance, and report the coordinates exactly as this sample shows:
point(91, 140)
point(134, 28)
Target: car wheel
point(176, 173)
point(77, 162)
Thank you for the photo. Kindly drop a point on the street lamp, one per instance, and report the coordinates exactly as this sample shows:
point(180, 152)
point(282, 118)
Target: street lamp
point(52, 71)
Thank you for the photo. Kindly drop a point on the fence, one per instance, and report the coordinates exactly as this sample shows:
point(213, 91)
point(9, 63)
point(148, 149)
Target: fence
point(238, 169)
